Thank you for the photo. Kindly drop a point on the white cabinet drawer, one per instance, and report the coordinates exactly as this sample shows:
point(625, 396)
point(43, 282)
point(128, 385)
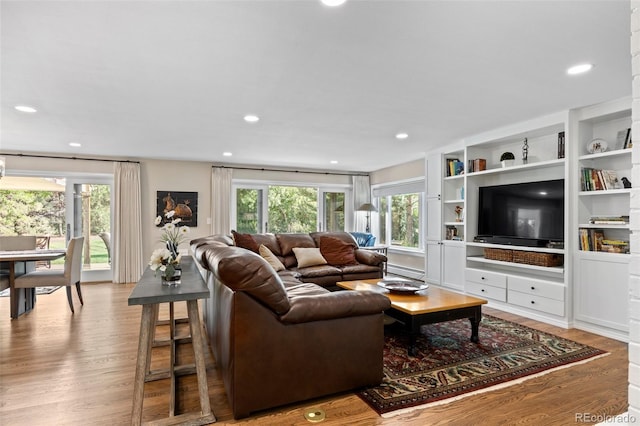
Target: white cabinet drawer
point(535, 287)
point(485, 277)
point(487, 291)
point(538, 303)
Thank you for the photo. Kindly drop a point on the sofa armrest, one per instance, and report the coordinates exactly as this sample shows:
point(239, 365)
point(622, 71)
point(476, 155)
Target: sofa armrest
point(338, 304)
point(369, 257)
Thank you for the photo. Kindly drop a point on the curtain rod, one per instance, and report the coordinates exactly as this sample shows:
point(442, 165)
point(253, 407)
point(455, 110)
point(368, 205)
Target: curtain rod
point(262, 169)
point(72, 158)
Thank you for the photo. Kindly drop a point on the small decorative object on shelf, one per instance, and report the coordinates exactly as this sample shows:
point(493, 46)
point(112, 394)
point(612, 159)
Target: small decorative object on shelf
point(458, 211)
point(627, 142)
point(507, 159)
point(167, 259)
point(626, 182)
point(597, 145)
point(561, 145)
point(525, 151)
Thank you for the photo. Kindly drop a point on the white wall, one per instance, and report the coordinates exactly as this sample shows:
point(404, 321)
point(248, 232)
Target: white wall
point(634, 266)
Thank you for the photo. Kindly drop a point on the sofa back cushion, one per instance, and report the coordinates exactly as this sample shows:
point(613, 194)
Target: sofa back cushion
point(343, 236)
point(288, 241)
point(269, 241)
point(337, 252)
point(245, 271)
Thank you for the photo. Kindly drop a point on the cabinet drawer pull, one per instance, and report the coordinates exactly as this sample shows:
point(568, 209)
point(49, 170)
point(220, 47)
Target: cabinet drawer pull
point(533, 288)
point(482, 278)
point(482, 290)
point(533, 302)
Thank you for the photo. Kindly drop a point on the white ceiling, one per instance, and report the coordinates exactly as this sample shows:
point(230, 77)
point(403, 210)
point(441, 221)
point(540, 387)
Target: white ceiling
point(173, 79)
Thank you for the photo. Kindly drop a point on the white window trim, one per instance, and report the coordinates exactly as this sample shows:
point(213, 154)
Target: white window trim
point(406, 186)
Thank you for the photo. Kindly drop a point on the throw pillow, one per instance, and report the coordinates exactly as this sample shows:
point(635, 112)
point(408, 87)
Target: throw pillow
point(337, 252)
point(308, 257)
point(245, 241)
point(271, 258)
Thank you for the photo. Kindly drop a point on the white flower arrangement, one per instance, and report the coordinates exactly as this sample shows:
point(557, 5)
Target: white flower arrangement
point(167, 258)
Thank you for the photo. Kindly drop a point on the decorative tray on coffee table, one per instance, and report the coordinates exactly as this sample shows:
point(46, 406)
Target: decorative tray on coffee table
point(401, 285)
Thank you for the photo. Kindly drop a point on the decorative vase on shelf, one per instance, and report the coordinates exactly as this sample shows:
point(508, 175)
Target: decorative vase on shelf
point(507, 159)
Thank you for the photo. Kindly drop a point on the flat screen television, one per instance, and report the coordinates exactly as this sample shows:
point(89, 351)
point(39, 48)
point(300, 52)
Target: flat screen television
point(524, 214)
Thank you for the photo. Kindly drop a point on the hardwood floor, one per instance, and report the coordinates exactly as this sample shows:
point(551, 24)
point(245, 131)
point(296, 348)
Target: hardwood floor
point(64, 369)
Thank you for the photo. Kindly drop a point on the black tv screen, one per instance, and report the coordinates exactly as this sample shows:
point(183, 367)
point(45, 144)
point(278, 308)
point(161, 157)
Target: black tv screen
point(529, 213)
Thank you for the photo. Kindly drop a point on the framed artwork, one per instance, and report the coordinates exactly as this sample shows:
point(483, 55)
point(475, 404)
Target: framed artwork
point(184, 204)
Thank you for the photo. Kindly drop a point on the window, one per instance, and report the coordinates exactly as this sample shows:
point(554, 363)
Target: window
point(56, 208)
point(288, 208)
point(400, 214)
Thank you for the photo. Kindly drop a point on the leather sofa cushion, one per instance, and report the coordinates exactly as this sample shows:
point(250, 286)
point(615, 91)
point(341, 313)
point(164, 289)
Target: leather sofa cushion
point(245, 271)
point(245, 241)
point(354, 269)
point(337, 252)
point(288, 241)
point(317, 271)
point(342, 236)
point(337, 304)
point(269, 241)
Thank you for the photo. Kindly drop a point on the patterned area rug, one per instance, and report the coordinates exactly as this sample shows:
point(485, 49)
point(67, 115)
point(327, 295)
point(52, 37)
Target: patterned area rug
point(39, 290)
point(449, 367)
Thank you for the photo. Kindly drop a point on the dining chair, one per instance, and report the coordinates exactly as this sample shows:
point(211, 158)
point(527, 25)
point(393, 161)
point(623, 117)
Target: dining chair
point(68, 277)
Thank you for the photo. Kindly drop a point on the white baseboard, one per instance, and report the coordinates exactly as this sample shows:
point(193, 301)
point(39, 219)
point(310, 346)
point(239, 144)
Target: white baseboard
point(403, 271)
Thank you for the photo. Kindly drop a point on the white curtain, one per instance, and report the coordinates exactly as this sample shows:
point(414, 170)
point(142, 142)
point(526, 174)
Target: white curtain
point(361, 195)
point(221, 200)
point(128, 264)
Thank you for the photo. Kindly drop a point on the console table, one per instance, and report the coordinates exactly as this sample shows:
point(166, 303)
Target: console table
point(149, 292)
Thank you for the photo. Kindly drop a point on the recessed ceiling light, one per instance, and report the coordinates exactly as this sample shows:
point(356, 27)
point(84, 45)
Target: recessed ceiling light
point(332, 2)
point(75, 144)
point(334, 161)
point(250, 118)
point(227, 154)
point(579, 69)
point(402, 135)
point(25, 108)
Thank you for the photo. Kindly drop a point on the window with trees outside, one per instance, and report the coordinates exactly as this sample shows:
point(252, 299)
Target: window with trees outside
point(56, 208)
point(400, 209)
point(288, 209)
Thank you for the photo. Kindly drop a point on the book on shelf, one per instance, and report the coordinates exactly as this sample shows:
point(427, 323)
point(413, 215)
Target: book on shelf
point(477, 165)
point(599, 180)
point(609, 220)
point(591, 239)
point(455, 167)
point(561, 145)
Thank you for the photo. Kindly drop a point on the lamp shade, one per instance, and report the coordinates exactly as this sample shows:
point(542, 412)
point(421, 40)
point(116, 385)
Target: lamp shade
point(367, 207)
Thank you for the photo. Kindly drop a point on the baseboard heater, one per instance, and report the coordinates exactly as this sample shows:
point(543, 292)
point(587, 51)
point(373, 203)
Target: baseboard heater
point(403, 271)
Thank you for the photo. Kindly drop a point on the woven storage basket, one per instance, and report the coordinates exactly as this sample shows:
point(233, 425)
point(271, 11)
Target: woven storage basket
point(538, 259)
point(498, 254)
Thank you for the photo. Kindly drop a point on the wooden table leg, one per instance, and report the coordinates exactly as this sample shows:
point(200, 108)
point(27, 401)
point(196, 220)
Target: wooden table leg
point(475, 324)
point(144, 355)
point(201, 370)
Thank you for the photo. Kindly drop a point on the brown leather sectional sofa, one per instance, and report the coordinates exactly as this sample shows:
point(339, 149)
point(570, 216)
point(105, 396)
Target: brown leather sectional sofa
point(279, 340)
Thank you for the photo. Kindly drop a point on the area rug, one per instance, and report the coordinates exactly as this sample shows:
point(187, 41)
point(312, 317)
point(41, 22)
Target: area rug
point(450, 367)
point(39, 290)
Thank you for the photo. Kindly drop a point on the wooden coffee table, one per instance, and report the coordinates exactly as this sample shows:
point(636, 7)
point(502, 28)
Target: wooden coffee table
point(425, 307)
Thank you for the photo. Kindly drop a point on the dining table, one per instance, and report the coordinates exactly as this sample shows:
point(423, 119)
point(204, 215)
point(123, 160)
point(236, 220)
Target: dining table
point(22, 300)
